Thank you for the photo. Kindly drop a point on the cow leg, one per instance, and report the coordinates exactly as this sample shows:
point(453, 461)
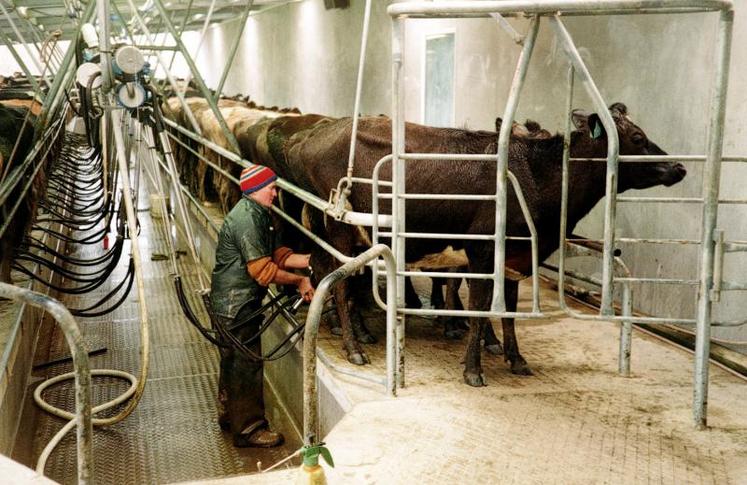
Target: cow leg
point(354, 352)
point(358, 285)
point(437, 294)
point(412, 300)
point(512, 356)
point(479, 298)
point(455, 327)
point(492, 344)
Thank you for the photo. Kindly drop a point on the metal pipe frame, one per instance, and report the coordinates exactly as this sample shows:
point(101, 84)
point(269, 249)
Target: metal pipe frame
point(234, 47)
point(198, 78)
point(205, 24)
point(22, 65)
point(613, 150)
point(25, 44)
point(512, 8)
point(169, 77)
point(310, 399)
point(349, 217)
point(344, 192)
point(498, 303)
point(79, 353)
point(711, 178)
point(171, 163)
point(61, 81)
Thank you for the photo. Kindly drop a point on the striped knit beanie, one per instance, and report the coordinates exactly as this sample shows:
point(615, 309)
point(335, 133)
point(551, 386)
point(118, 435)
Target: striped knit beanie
point(255, 177)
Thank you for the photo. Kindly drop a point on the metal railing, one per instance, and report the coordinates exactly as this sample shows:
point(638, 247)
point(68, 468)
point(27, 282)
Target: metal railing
point(82, 373)
point(711, 242)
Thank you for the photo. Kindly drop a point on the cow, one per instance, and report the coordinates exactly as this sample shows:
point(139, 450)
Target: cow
point(316, 159)
point(16, 139)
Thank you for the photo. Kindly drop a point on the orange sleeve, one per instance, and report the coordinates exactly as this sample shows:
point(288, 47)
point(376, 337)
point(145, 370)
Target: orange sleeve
point(280, 256)
point(263, 270)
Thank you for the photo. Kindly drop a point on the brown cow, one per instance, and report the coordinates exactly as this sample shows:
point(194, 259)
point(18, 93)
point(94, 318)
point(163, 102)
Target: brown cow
point(316, 159)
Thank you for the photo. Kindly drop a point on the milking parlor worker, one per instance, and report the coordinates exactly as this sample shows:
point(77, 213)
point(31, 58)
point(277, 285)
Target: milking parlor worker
point(247, 260)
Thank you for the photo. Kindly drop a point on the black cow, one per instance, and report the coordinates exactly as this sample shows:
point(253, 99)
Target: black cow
point(316, 159)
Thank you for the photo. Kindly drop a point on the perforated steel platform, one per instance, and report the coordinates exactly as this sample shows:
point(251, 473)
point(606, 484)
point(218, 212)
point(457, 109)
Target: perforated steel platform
point(173, 434)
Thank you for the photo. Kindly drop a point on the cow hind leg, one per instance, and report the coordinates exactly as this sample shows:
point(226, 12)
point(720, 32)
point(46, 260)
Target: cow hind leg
point(412, 300)
point(479, 297)
point(518, 365)
point(455, 327)
point(492, 344)
point(359, 287)
point(355, 354)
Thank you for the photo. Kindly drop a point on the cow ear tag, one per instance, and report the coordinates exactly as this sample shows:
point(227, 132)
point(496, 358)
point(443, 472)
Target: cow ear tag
point(596, 133)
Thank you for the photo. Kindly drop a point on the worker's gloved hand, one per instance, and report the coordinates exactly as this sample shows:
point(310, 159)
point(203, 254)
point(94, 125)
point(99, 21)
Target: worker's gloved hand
point(306, 289)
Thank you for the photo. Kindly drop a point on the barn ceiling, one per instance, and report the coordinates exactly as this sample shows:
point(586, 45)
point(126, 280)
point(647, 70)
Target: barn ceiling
point(52, 15)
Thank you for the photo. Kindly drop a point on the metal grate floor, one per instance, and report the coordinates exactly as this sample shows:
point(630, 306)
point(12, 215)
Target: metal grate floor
point(173, 433)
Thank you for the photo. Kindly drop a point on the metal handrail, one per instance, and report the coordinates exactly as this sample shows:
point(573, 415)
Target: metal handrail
point(79, 352)
point(393, 352)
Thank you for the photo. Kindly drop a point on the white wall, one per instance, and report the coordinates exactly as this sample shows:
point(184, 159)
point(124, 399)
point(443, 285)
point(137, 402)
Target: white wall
point(659, 65)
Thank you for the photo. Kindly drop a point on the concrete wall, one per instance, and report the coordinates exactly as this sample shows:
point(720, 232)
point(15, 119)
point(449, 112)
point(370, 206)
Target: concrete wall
point(659, 65)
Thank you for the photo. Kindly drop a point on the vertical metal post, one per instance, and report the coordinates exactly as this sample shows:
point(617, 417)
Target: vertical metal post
point(234, 47)
point(711, 179)
point(104, 45)
point(613, 149)
point(181, 207)
point(498, 303)
point(564, 188)
point(311, 332)
point(198, 78)
point(626, 332)
point(398, 180)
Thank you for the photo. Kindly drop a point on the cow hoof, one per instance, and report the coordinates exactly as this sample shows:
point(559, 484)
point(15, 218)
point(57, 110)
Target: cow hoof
point(494, 349)
point(366, 338)
point(474, 379)
point(336, 331)
point(455, 334)
point(358, 358)
point(521, 369)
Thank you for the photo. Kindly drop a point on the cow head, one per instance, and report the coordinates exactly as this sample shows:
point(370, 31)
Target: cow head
point(592, 139)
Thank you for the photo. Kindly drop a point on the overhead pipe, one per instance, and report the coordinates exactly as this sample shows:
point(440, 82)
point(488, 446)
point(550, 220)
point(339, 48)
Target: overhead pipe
point(169, 77)
point(517, 8)
point(198, 78)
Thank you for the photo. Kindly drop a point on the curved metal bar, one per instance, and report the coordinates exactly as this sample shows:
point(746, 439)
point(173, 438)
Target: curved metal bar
point(613, 151)
point(498, 303)
point(78, 350)
point(310, 399)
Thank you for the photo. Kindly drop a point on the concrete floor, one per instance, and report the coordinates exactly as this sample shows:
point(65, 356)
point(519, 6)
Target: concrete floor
point(574, 421)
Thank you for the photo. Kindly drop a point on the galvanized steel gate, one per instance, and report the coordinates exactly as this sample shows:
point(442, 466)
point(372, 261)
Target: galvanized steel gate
point(712, 243)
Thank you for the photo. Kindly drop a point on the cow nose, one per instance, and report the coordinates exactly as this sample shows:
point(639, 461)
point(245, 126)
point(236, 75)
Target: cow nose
point(680, 170)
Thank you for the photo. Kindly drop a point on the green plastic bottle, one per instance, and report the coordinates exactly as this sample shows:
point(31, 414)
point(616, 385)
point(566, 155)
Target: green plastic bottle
point(311, 472)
